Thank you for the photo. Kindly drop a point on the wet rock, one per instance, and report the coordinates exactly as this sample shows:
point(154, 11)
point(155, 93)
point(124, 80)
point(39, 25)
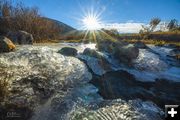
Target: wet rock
point(124, 52)
point(121, 84)
point(119, 109)
point(36, 74)
point(6, 45)
point(68, 51)
point(60, 106)
point(117, 84)
point(140, 45)
point(30, 91)
point(20, 37)
point(95, 61)
point(92, 53)
point(108, 45)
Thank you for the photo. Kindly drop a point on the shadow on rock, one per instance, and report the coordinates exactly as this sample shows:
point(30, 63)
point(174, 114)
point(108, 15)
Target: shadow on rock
point(121, 84)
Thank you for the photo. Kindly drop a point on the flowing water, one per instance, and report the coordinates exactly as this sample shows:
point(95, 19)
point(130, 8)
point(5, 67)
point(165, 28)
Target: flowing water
point(69, 77)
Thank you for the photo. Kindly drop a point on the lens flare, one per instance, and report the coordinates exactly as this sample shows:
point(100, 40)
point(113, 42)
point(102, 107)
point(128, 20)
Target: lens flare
point(91, 22)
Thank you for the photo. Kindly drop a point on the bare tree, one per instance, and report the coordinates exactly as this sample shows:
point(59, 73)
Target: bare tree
point(20, 17)
point(153, 23)
point(173, 24)
point(146, 30)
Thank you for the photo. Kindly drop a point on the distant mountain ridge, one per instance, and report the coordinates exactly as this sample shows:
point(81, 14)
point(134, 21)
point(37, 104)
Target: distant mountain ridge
point(64, 27)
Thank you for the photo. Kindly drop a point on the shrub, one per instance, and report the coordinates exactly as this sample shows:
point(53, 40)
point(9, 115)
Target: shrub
point(20, 17)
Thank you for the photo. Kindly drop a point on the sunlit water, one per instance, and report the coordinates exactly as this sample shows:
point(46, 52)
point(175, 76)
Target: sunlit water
point(151, 64)
point(63, 71)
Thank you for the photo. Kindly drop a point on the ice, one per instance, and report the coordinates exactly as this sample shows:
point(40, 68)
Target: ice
point(43, 60)
point(163, 51)
point(149, 61)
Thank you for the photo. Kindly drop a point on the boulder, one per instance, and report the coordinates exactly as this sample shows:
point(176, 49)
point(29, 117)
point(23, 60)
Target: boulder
point(20, 37)
point(126, 53)
point(122, 84)
point(140, 45)
point(96, 61)
point(122, 51)
point(35, 88)
point(68, 51)
point(92, 53)
point(108, 45)
point(6, 44)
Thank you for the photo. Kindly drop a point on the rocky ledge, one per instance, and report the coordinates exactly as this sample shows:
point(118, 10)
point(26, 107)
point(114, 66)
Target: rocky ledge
point(40, 83)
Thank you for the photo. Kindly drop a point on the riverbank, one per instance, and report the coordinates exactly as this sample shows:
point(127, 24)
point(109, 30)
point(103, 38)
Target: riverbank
point(45, 84)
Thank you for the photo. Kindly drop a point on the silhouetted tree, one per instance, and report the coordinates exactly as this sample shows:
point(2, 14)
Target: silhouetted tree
point(146, 30)
point(173, 24)
point(153, 23)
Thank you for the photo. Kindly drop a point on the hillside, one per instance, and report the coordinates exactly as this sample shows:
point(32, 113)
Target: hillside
point(64, 27)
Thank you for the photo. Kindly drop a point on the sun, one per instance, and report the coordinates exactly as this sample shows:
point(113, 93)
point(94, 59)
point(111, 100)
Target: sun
point(91, 22)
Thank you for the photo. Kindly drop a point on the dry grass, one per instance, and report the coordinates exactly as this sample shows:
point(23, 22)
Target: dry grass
point(3, 84)
point(154, 42)
point(74, 41)
point(47, 41)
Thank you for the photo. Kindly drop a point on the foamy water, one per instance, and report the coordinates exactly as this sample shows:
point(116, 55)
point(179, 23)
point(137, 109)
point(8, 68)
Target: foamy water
point(76, 102)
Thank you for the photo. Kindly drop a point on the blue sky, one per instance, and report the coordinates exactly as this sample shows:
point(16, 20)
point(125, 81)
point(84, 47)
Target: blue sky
point(113, 11)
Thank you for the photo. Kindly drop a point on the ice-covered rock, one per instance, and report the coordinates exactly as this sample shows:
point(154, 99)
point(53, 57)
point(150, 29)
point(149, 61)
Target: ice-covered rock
point(60, 106)
point(96, 61)
point(148, 61)
point(141, 45)
point(119, 110)
point(35, 74)
point(68, 51)
point(123, 52)
point(59, 85)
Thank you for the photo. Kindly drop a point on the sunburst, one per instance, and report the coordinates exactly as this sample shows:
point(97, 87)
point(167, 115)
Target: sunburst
point(91, 22)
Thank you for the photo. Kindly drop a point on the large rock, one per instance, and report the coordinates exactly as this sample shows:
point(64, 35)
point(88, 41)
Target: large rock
point(108, 45)
point(95, 61)
point(68, 51)
point(140, 44)
point(21, 37)
point(121, 84)
point(35, 74)
point(124, 52)
point(6, 45)
point(92, 53)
